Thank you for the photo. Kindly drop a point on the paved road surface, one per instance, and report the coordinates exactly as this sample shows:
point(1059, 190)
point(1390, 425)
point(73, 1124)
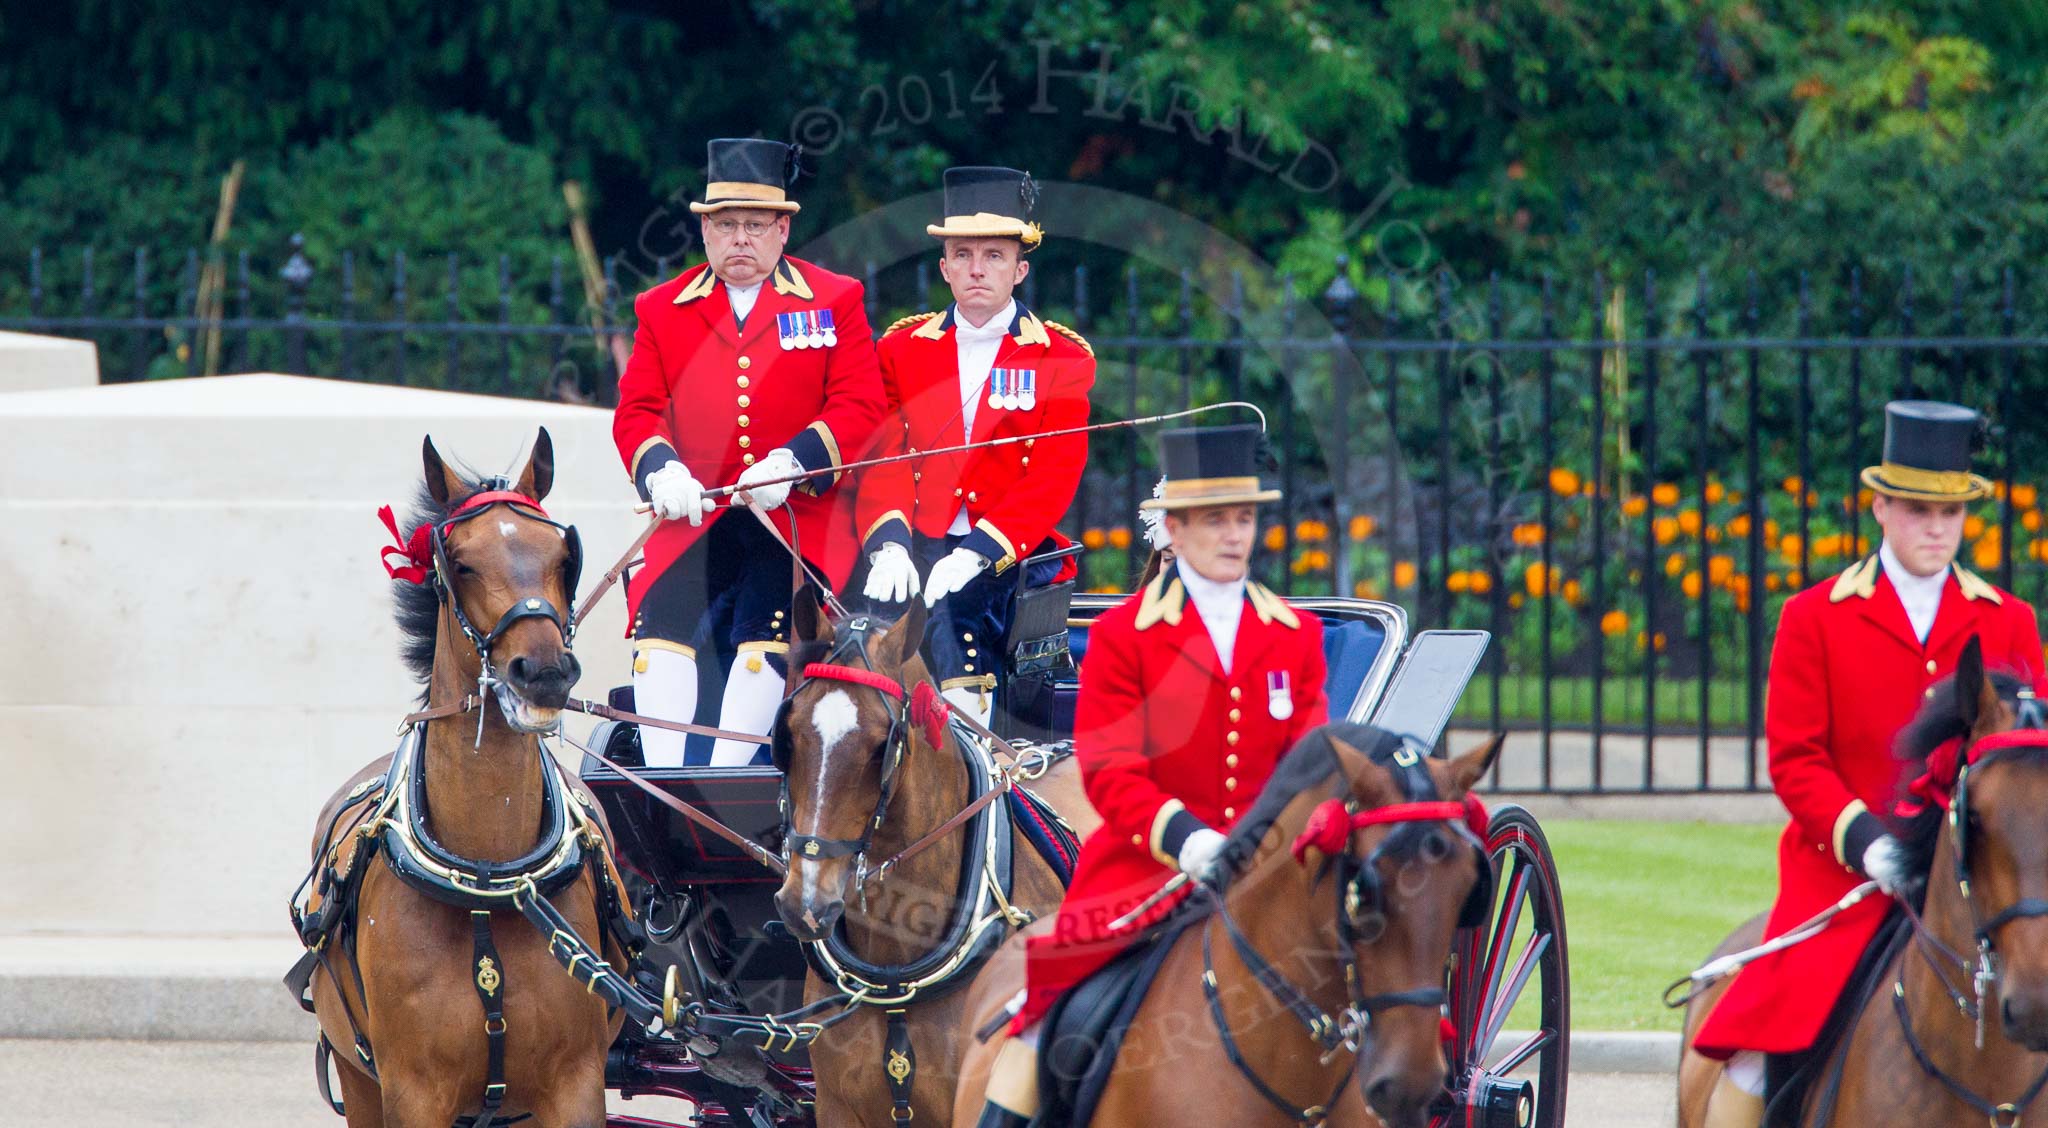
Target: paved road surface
point(238, 1084)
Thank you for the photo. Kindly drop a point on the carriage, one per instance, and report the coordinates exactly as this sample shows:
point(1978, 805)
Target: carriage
point(715, 940)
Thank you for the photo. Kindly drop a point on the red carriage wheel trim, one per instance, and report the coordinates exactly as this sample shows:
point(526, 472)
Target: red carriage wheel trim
point(1331, 823)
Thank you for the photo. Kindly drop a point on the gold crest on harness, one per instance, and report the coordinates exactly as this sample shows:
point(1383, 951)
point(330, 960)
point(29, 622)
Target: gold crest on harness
point(899, 1066)
point(487, 977)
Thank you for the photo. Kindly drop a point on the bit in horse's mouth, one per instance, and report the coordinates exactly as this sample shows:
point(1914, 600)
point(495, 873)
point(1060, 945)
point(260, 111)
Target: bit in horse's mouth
point(524, 715)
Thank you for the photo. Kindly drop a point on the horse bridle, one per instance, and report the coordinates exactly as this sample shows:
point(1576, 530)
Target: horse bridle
point(1360, 906)
point(2029, 721)
point(852, 643)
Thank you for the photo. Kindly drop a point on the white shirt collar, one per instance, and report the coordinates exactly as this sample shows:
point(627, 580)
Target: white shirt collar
point(1220, 605)
point(996, 326)
point(742, 299)
point(1920, 595)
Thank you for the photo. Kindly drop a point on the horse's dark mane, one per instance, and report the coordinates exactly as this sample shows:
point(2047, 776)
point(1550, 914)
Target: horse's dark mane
point(1938, 722)
point(1311, 763)
point(418, 606)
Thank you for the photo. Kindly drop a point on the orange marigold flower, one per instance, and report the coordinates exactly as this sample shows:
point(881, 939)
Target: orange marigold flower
point(1770, 531)
point(1795, 579)
point(1120, 537)
point(1404, 573)
point(1573, 593)
point(1634, 505)
point(1482, 582)
point(1674, 564)
point(1527, 535)
point(1659, 642)
point(1864, 497)
point(1713, 534)
point(1719, 568)
point(1458, 582)
point(1537, 581)
point(1690, 585)
point(1665, 494)
point(1793, 485)
point(1973, 527)
point(1276, 538)
point(1363, 526)
point(1714, 492)
point(2031, 520)
point(2024, 497)
point(1789, 545)
point(1862, 544)
point(1563, 482)
point(1094, 539)
point(1310, 531)
point(1514, 599)
point(1666, 529)
point(1614, 623)
point(1366, 589)
point(1985, 553)
point(1738, 526)
point(1689, 522)
point(1772, 582)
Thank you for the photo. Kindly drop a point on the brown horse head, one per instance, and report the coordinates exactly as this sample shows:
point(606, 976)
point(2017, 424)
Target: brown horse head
point(832, 743)
point(1986, 855)
point(506, 571)
point(1403, 890)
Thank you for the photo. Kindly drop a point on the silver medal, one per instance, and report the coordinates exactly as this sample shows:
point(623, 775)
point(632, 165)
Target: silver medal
point(1279, 696)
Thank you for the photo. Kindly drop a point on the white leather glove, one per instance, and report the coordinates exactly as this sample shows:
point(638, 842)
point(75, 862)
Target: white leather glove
point(780, 463)
point(892, 578)
point(952, 573)
point(1884, 861)
point(1199, 854)
point(676, 493)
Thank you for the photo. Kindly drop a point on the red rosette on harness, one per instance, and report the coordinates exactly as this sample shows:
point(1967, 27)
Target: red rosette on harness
point(1329, 826)
point(416, 551)
point(1476, 816)
point(930, 712)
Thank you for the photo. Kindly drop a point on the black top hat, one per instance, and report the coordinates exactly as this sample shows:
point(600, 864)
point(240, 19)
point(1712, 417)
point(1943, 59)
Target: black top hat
point(1210, 466)
point(747, 172)
point(1927, 447)
point(989, 202)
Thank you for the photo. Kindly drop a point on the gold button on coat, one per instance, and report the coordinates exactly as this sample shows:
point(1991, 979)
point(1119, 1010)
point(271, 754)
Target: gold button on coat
point(746, 460)
point(1230, 761)
point(1236, 694)
point(744, 421)
point(745, 441)
point(1230, 784)
point(1230, 738)
point(743, 381)
point(1235, 714)
point(746, 401)
point(746, 362)
point(1230, 812)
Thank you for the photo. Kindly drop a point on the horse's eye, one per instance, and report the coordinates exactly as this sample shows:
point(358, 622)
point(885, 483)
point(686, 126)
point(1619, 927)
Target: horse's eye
point(1435, 849)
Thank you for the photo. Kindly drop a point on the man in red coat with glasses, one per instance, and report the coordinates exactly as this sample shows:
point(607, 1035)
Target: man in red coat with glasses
point(752, 367)
point(1853, 661)
point(1191, 692)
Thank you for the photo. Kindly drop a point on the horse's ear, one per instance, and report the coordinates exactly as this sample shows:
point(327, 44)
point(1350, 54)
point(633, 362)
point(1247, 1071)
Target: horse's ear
point(905, 635)
point(1976, 696)
point(539, 476)
point(1369, 784)
point(1465, 770)
point(808, 621)
point(442, 483)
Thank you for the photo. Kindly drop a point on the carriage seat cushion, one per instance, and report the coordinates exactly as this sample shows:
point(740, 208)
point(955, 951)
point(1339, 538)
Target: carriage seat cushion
point(1350, 646)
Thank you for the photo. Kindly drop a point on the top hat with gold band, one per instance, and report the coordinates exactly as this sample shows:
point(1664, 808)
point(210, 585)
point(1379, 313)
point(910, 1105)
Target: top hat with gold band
point(989, 203)
point(1927, 448)
point(1210, 466)
point(747, 172)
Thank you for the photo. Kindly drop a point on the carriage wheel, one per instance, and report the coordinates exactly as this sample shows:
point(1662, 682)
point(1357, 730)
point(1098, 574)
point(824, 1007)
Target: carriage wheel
point(1511, 972)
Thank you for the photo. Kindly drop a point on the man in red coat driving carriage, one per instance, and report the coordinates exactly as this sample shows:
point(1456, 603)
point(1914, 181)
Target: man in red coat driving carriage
point(1852, 661)
point(983, 368)
point(1191, 692)
point(751, 367)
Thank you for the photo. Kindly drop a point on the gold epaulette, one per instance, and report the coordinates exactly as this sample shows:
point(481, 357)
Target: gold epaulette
point(1859, 580)
point(1072, 336)
point(905, 322)
point(1269, 607)
point(1974, 586)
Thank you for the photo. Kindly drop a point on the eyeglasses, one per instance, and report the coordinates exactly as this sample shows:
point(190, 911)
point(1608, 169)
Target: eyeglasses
point(755, 228)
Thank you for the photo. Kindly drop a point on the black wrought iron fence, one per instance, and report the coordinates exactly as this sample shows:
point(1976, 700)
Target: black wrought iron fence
point(1621, 480)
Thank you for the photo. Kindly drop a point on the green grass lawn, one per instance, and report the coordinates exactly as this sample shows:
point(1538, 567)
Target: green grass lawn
point(1621, 700)
point(1644, 904)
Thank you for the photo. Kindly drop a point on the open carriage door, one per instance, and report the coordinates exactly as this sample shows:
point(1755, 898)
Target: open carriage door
point(1426, 686)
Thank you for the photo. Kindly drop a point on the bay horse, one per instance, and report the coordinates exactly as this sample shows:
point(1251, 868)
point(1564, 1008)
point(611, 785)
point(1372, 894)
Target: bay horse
point(864, 779)
point(1361, 930)
point(426, 1002)
point(1955, 1028)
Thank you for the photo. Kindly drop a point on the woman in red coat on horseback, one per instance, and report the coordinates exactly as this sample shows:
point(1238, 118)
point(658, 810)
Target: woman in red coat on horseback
point(1852, 661)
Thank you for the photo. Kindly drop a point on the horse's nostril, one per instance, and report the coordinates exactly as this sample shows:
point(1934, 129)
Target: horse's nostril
point(521, 669)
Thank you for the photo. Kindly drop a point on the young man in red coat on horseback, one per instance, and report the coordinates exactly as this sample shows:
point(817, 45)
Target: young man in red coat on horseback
point(1191, 692)
point(984, 368)
point(712, 397)
point(1853, 660)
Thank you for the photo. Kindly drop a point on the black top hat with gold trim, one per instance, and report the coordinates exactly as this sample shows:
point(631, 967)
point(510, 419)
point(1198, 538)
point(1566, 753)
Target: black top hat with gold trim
point(986, 202)
point(747, 172)
point(1210, 466)
point(1927, 447)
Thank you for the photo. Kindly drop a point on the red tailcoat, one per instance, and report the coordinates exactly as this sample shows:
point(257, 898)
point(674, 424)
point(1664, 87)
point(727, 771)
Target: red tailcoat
point(1846, 675)
point(1015, 493)
point(716, 398)
point(1168, 743)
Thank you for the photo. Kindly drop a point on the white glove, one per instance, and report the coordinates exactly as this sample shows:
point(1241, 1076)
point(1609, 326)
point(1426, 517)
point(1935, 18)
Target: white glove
point(780, 463)
point(952, 573)
point(1884, 861)
point(892, 578)
point(678, 494)
point(1199, 853)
